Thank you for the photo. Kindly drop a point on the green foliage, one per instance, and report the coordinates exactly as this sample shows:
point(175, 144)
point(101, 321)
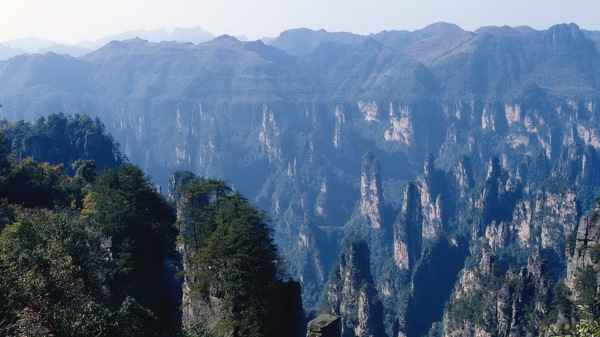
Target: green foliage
point(50, 263)
point(594, 252)
point(571, 243)
point(558, 184)
point(4, 162)
point(585, 285)
point(561, 299)
point(595, 204)
point(6, 213)
point(231, 255)
point(133, 320)
point(60, 274)
point(84, 170)
point(199, 209)
point(35, 184)
point(95, 319)
point(197, 329)
point(596, 201)
point(586, 326)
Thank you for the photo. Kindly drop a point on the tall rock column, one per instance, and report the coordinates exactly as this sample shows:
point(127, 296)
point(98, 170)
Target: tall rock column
point(583, 273)
point(430, 185)
point(371, 195)
point(497, 197)
point(352, 295)
point(408, 229)
point(191, 309)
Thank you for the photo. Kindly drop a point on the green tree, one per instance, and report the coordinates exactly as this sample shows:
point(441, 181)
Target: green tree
point(585, 286)
point(201, 202)
point(34, 184)
point(133, 320)
point(84, 170)
point(586, 326)
point(232, 257)
point(137, 227)
point(50, 265)
point(125, 206)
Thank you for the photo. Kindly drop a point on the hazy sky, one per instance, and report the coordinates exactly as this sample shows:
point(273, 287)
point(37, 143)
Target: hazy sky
point(76, 20)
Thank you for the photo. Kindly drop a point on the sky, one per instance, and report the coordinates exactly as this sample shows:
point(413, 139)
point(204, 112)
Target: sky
point(71, 21)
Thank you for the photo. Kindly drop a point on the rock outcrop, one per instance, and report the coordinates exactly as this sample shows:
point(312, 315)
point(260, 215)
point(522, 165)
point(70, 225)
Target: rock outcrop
point(541, 222)
point(433, 187)
point(325, 325)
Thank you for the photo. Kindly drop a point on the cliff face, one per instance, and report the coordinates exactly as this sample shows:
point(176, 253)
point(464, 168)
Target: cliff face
point(492, 299)
point(432, 206)
point(351, 293)
point(432, 185)
point(325, 325)
point(543, 222)
point(432, 282)
point(500, 220)
point(209, 310)
point(496, 199)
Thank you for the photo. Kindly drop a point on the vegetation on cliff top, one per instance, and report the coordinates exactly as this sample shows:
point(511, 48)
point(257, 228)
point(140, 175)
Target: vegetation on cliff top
point(231, 256)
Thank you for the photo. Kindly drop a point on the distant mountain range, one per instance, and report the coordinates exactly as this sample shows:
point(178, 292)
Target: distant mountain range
point(37, 45)
point(296, 42)
point(194, 35)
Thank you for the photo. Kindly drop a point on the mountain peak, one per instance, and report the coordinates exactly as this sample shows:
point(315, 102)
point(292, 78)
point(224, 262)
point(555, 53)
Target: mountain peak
point(441, 27)
point(135, 42)
point(566, 35)
point(497, 30)
point(226, 37)
point(567, 29)
point(303, 41)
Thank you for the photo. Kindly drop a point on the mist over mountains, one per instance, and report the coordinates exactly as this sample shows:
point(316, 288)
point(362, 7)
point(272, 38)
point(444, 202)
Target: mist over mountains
point(442, 149)
point(36, 45)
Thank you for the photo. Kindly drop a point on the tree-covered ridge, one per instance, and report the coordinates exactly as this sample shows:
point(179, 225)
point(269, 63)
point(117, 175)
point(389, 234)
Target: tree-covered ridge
point(63, 139)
